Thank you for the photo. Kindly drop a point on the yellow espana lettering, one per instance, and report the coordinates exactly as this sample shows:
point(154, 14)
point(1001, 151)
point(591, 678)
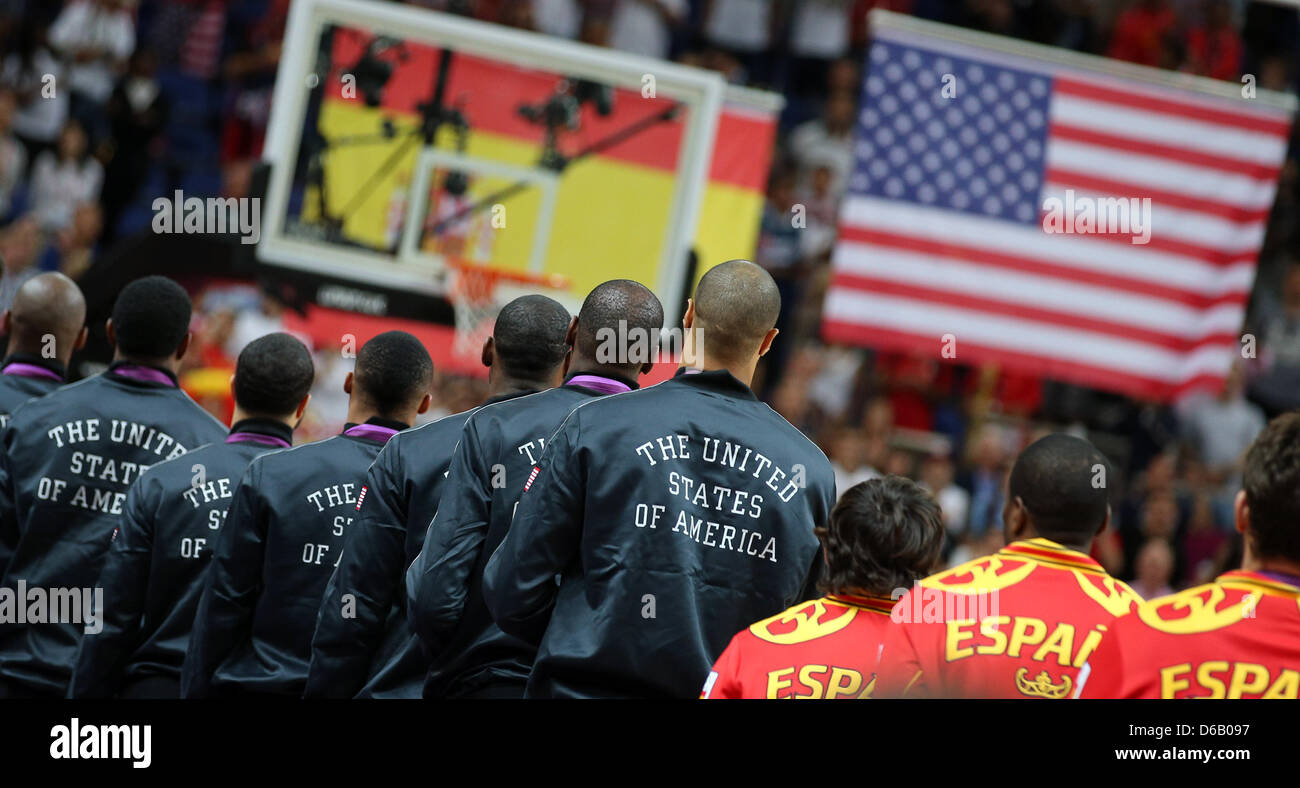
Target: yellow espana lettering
point(956, 635)
point(1206, 678)
point(1247, 677)
point(991, 628)
point(777, 680)
point(1060, 643)
point(1287, 686)
point(1090, 644)
point(806, 678)
point(1172, 680)
point(1025, 632)
point(843, 682)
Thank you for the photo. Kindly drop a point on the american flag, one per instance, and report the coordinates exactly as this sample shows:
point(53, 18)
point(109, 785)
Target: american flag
point(963, 144)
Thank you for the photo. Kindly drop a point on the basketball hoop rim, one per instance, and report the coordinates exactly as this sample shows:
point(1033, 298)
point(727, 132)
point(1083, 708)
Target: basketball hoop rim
point(496, 274)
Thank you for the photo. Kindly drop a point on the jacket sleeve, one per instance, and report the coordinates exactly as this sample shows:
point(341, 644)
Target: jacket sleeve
point(8, 502)
point(438, 581)
point(519, 582)
point(231, 586)
point(102, 655)
point(354, 612)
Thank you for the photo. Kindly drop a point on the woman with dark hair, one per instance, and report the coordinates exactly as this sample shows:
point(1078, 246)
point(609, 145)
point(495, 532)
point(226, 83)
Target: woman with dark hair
point(64, 178)
point(884, 535)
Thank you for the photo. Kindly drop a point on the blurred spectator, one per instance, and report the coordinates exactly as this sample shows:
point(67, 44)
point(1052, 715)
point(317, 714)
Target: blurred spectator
point(137, 111)
point(937, 476)
point(1142, 32)
point(13, 156)
point(645, 26)
point(1205, 542)
point(984, 482)
point(1214, 47)
point(1276, 386)
point(1219, 430)
point(250, 70)
point(849, 459)
point(827, 141)
point(95, 37)
point(34, 74)
point(73, 248)
point(64, 178)
point(821, 202)
point(1155, 569)
point(819, 34)
point(20, 243)
point(561, 18)
point(743, 30)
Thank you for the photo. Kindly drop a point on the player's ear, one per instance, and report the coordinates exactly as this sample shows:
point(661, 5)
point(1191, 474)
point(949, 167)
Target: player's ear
point(571, 336)
point(688, 319)
point(1105, 522)
point(110, 333)
point(6, 322)
point(82, 337)
point(767, 342)
point(232, 386)
point(489, 351)
point(1241, 513)
point(184, 346)
point(425, 404)
point(302, 409)
point(347, 384)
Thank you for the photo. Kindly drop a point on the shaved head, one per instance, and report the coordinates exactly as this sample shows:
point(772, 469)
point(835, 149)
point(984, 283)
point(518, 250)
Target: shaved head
point(736, 304)
point(609, 304)
point(47, 305)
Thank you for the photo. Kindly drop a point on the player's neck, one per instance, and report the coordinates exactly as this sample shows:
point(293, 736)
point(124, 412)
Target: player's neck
point(1281, 566)
point(744, 372)
point(36, 350)
point(506, 385)
point(239, 414)
point(172, 365)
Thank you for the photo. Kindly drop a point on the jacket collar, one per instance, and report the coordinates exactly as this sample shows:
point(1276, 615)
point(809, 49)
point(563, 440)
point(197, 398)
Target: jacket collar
point(143, 374)
point(509, 395)
point(267, 432)
point(717, 380)
point(1045, 551)
point(1274, 582)
point(32, 365)
point(375, 429)
point(876, 604)
point(603, 382)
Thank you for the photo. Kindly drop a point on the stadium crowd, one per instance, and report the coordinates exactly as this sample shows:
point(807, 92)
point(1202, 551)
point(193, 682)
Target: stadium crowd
point(175, 94)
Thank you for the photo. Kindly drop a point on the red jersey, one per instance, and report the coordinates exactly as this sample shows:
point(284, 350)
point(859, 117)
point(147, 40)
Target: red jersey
point(826, 648)
point(1238, 637)
point(1018, 623)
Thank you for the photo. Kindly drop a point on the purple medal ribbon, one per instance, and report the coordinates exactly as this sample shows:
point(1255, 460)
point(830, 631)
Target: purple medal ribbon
point(372, 432)
point(145, 374)
point(30, 371)
point(1282, 577)
point(603, 385)
point(257, 437)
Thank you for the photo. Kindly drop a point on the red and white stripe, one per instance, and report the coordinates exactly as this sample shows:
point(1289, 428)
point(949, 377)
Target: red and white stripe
point(1153, 320)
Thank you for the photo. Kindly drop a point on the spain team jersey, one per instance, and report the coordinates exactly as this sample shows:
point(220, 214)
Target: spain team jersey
point(826, 648)
point(1237, 637)
point(1016, 624)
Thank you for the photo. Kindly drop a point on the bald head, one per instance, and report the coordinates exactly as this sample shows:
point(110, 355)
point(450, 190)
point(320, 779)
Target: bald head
point(47, 306)
point(736, 304)
point(599, 337)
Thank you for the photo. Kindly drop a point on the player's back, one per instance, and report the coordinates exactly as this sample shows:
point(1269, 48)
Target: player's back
point(1015, 624)
point(1237, 637)
point(700, 504)
point(154, 570)
point(823, 648)
point(69, 458)
point(509, 435)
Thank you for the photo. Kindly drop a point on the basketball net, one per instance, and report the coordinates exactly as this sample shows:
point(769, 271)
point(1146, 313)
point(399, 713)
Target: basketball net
point(477, 292)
